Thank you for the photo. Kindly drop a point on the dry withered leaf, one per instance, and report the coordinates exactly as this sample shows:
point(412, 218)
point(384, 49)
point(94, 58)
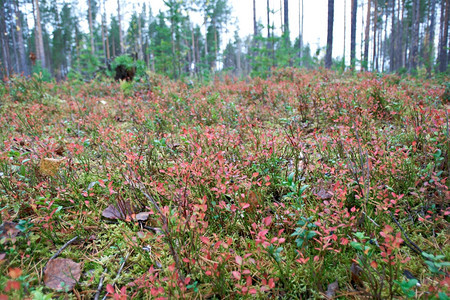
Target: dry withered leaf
point(324, 195)
point(50, 166)
point(9, 230)
point(356, 271)
point(119, 211)
point(61, 274)
point(142, 216)
point(332, 288)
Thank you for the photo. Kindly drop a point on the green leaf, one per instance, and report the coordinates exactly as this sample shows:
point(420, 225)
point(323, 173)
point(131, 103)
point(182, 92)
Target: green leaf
point(361, 236)
point(356, 245)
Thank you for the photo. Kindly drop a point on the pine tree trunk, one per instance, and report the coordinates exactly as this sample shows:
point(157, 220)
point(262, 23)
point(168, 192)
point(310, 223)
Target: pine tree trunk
point(91, 30)
point(140, 52)
point(414, 35)
point(328, 56)
point(40, 41)
point(443, 57)
point(119, 18)
point(393, 39)
point(4, 43)
point(286, 21)
point(431, 36)
point(375, 21)
point(366, 38)
point(353, 34)
point(255, 25)
point(22, 56)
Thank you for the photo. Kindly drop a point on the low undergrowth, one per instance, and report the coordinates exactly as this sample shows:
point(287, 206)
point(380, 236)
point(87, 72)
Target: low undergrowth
point(304, 185)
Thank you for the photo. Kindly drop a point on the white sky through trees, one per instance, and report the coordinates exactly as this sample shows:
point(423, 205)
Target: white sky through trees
point(314, 23)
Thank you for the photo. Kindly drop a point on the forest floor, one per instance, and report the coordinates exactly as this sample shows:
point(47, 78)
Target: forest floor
point(302, 185)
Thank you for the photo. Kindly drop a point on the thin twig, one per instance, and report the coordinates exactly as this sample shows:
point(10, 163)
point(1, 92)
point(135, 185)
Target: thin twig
point(60, 250)
point(100, 286)
point(165, 227)
point(118, 273)
point(413, 246)
point(375, 223)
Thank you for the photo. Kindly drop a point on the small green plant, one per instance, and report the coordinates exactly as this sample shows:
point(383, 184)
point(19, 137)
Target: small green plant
point(407, 287)
point(435, 263)
point(296, 190)
point(304, 232)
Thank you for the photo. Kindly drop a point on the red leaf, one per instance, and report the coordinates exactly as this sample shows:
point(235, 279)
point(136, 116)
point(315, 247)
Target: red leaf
point(238, 260)
point(15, 273)
point(12, 285)
point(110, 289)
point(236, 275)
point(267, 220)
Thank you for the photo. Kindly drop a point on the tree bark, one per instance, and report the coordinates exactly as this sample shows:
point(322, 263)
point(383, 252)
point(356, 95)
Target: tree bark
point(40, 41)
point(414, 35)
point(366, 38)
point(255, 25)
point(328, 56)
point(392, 38)
point(119, 17)
point(4, 43)
point(286, 21)
point(443, 56)
point(91, 30)
point(375, 22)
point(353, 34)
point(22, 56)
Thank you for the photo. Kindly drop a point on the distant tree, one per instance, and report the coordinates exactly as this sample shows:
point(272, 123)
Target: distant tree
point(40, 52)
point(114, 37)
point(286, 21)
point(353, 33)
point(119, 21)
point(328, 59)
point(443, 36)
point(23, 66)
point(255, 25)
point(366, 37)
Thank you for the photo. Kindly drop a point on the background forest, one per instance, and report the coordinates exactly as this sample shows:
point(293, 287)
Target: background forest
point(397, 36)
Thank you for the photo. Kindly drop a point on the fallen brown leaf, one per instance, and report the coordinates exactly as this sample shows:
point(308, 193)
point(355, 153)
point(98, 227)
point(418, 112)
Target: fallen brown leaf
point(62, 274)
point(50, 166)
point(9, 230)
point(332, 288)
point(120, 211)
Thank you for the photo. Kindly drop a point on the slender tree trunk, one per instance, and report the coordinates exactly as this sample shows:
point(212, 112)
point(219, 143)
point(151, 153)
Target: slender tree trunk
point(300, 29)
point(366, 38)
point(104, 33)
point(392, 38)
point(40, 41)
point(140, 52)
point(431, 37)
point(385, 50)
point(328, 56)
point(268, 21)
point(13, 35)
point(194, 61)
point(345, 30)
point(22, 56)
point(119, 18)
point(6, 63)
point(255, 25)
point(443, 56)
point(414, 35)
point(91, 29)
point(353, 34)
point(286, 21)
point(375, 22)
point(238, 58)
